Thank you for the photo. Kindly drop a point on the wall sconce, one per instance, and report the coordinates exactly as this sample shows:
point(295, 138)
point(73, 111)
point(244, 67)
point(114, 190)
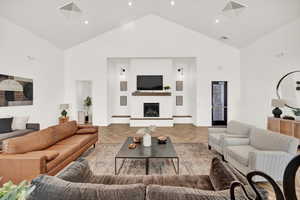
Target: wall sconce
point(298, 85)
point(122, 73)
point(180, 73)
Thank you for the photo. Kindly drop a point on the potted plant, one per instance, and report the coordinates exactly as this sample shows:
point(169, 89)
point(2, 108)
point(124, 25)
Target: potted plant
point(9, 191)
point(146, 132)
point(87, 104)
point(167, 87)
point(297, 113)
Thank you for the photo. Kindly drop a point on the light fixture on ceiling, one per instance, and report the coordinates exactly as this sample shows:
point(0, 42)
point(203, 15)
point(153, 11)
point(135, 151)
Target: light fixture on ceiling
point(86, 22)
point(130, 3)
point(217, 21)
point(70, 10)
point(233, 9)
point(172, 3)
point(224, 38)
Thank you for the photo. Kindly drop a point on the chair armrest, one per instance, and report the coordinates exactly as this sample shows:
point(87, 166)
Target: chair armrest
point(272, 163)
point(232, 141)
point(19, 167)
point(217, 130)
point(34, 126)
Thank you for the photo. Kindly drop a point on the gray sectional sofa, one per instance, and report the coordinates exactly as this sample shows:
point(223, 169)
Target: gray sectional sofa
point(77, 182)
point(30, 127)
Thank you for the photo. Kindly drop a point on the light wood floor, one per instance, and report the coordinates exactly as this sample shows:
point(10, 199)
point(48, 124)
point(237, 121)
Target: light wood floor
point(178, 134)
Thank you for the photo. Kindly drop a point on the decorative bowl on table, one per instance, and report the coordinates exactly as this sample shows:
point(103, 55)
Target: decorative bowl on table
point(132, 146)
point(137, 139)
point(162, 139)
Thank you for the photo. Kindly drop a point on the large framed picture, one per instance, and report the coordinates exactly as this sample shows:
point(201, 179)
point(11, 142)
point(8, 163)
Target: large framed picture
point(15, 91)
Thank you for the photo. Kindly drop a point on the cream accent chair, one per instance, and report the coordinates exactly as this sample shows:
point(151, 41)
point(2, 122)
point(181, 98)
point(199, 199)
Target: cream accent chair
point(264, 151)
point(234, 129)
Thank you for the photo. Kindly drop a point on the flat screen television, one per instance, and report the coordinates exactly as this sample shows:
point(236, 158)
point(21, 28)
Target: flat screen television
point(153, 82)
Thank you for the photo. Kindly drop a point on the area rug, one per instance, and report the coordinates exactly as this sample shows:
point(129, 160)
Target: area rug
point(194, 159)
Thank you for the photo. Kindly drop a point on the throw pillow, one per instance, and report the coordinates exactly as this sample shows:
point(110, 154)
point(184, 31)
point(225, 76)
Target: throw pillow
point(5, 125)
point(221, 175)
point(19, 123)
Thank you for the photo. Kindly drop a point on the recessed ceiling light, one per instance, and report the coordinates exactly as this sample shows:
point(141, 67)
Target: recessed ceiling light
point(217, 21)
point(86, 22)
point(172, 3)
point(130, 3)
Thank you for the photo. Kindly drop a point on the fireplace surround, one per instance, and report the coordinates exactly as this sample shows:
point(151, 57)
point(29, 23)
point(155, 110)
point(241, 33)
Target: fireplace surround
point(151, 109)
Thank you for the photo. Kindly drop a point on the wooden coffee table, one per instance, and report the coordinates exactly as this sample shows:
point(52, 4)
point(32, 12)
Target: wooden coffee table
point(156, 151)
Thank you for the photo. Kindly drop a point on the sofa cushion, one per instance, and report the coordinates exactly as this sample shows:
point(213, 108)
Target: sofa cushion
point(80, 126)
point(35, 141)
point(64, 152)
point(86, 131)
point(221, 176)
point(215, 138)
point(238, 128)
point(5, 125)
point(240, 153)
point(271, 141)
point(156, 192)
point(78, 139)
point(49, 188)
point(19, 123)
point(50, 155)
point(64, 130)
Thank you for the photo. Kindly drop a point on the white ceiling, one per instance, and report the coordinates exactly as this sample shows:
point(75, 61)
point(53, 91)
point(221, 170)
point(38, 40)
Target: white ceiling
point(43, 17)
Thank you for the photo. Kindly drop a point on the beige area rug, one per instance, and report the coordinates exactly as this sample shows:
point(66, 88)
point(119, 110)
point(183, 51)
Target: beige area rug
point(194, 159)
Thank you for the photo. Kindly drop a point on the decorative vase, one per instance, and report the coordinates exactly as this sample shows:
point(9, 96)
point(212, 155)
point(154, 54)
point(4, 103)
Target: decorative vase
point(147, 140)
point(277, 112)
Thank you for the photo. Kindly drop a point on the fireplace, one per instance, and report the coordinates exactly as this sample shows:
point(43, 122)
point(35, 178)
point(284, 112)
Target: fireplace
point(151, 109)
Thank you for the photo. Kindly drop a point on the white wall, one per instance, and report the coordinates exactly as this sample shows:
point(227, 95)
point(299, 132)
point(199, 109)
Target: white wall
point(46, 70)
point(261, 69)
point(153, 36)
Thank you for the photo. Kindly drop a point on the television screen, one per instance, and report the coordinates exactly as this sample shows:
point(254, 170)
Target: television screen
point(150, 82)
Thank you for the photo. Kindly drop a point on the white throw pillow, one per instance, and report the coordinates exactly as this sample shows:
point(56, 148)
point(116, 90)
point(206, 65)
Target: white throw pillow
point(19, 123)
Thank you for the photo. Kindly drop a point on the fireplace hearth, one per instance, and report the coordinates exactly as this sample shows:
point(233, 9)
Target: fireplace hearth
point(151, 109)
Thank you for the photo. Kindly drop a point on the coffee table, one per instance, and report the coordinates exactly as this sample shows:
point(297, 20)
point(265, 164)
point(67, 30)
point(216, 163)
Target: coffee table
point(156, 151)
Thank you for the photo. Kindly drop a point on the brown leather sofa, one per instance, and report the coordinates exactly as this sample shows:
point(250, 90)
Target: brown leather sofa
point(44, 152)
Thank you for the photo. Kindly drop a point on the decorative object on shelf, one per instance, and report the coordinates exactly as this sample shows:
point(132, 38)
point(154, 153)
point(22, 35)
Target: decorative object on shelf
point(288, 88)
point(132, 146)
point(167, 87)
point(146, 132)
point(287, 117)
point(297, 113)
point(87, 104)
point(137, 139)
point(162, 139)
point(277, 103)
point(9, 191)
point(64, 114)
point(15, 91)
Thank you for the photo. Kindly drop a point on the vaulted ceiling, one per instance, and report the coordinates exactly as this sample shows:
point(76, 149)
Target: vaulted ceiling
point(44, 18)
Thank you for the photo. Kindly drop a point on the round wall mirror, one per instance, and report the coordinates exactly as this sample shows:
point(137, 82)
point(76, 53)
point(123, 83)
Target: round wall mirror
point(288, 89)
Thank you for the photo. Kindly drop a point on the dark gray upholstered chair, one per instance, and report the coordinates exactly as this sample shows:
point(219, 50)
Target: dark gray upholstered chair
point(77, 182)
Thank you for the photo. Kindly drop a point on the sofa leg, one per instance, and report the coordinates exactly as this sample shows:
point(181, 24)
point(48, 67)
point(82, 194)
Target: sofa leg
point(209, 147)
point(94, 145)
